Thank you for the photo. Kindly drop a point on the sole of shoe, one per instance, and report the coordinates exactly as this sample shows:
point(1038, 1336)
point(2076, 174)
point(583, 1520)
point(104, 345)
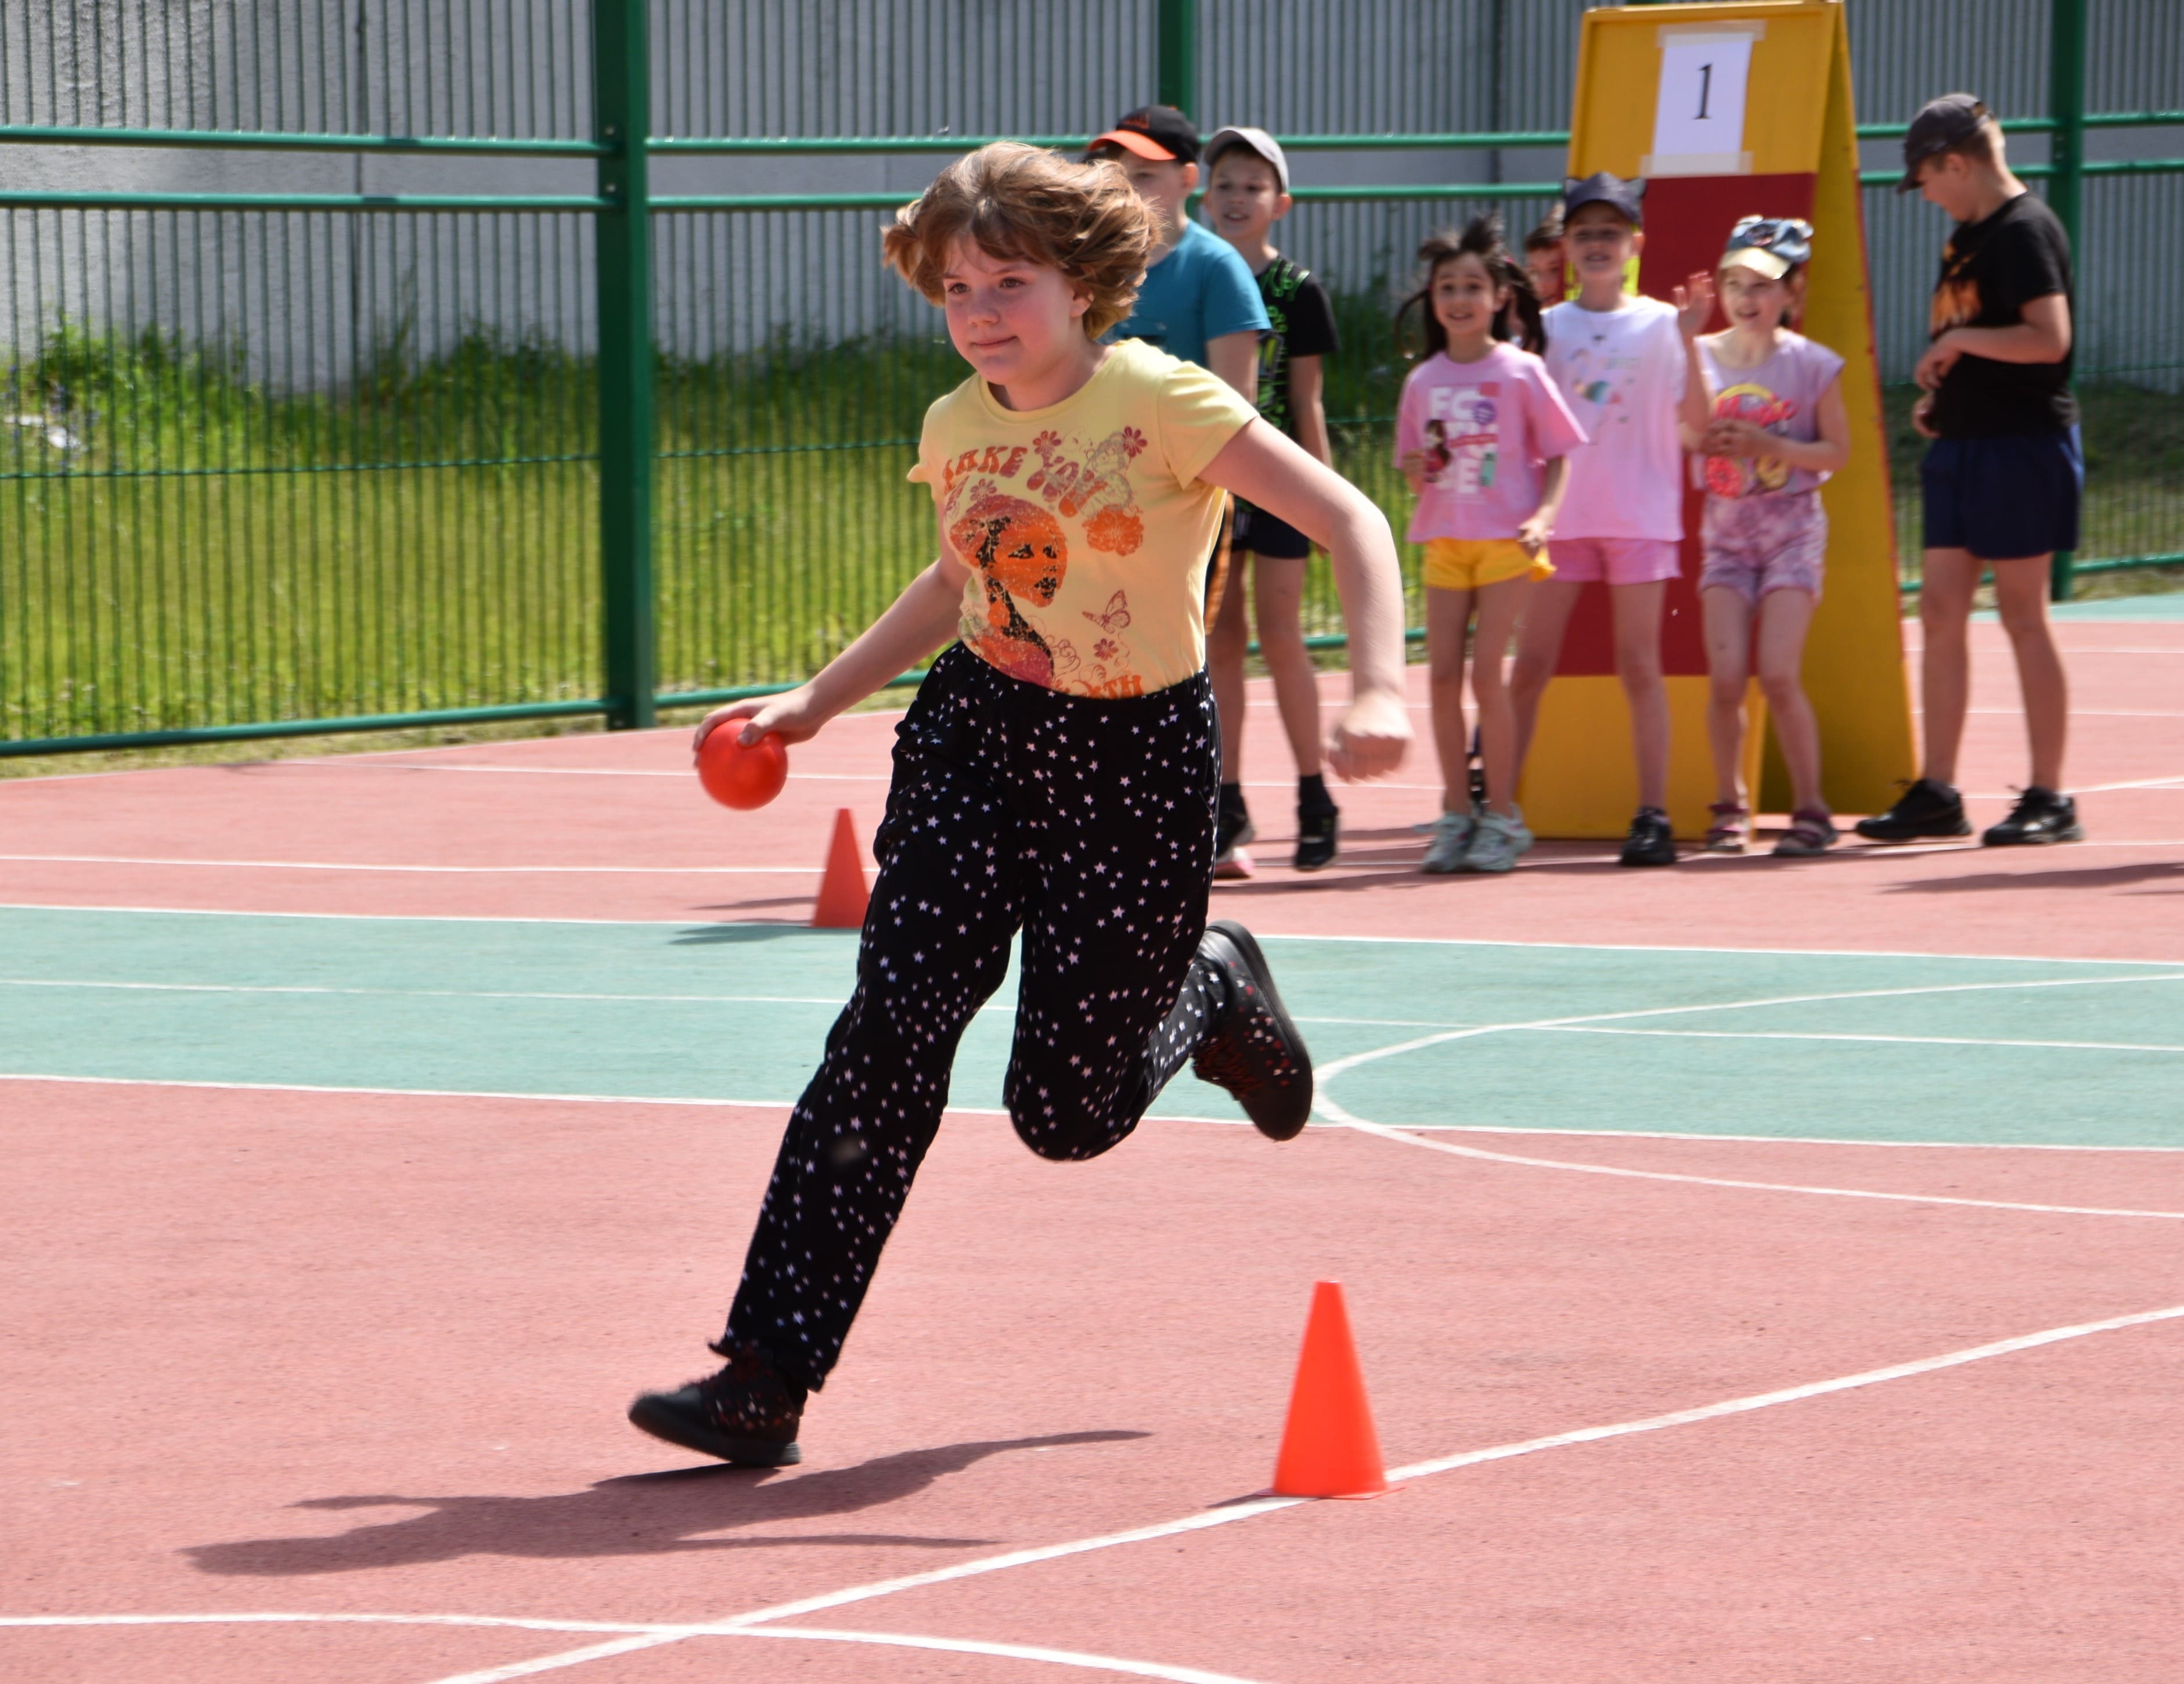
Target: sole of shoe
point(2073, 833)
point(1648, 858)
point(1922, 832)
point(652, 1415)
point(1315, 861)
point(1256, 961)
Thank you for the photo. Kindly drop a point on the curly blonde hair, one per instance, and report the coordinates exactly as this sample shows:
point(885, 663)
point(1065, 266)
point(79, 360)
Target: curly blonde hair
point(1021, 202)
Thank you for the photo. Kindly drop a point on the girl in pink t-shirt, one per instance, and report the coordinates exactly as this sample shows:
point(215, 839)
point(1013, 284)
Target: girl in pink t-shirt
point(1480, 434)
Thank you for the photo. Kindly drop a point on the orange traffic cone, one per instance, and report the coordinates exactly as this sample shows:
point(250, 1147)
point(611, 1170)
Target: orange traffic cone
point(1328, 1447)
point(842, 894)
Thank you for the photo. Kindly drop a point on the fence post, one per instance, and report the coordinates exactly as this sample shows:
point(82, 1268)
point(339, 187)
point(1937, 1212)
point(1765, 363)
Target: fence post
point(622, 106)
point(1178, 74)
point(2066, 108)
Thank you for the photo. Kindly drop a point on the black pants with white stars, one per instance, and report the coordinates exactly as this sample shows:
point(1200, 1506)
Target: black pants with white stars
point(1087, 825)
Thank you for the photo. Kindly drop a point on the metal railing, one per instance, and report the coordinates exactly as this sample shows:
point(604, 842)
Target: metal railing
point(294, 455)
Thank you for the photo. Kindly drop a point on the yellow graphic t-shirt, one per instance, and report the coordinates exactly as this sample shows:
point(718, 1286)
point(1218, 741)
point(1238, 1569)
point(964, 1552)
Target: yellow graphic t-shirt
point(1085, 525)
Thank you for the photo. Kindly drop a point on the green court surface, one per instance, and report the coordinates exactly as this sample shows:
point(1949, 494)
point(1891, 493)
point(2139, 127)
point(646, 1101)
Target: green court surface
point(1416, 1034)
point(2160, 605)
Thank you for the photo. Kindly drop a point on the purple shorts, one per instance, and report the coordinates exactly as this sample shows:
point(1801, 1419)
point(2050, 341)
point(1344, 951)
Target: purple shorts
point(1778, 541)
point(1619, 561)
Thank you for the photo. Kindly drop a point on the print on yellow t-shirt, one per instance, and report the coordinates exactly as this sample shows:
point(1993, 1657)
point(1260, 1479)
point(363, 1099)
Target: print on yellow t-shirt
point(1085, 525)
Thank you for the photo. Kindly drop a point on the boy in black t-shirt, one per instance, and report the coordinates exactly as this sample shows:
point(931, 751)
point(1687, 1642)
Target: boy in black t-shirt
point(2002, 478)
point(1247, 193)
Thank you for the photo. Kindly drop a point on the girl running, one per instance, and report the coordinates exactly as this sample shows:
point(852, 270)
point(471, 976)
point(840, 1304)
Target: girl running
point(1771, 426)
point(1057, 771)
point(1480, 434)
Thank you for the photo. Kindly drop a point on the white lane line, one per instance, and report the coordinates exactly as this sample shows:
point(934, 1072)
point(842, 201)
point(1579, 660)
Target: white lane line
point(690, 924)
point(489, 1093)
point(461, 871)
point(777, 927)
point(1417, 1470)
point(1885, 1040)
point(1553, 947)
point(1090, 1663)
point(1794, 1394)
point(1156, 1116)
point(939, 1576)
point(1326, 1072)
point(835, 1001)
point(1365, 1126)
point(647, 1636)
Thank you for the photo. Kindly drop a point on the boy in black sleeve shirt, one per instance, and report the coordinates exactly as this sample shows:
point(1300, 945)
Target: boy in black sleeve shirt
point(1248, 192)
point(2002, 478)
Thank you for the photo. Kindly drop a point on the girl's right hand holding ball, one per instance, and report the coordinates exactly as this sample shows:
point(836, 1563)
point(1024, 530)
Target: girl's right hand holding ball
point(789, 715)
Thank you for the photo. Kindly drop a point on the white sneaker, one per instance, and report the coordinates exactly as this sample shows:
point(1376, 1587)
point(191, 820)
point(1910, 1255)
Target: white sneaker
point(1496, 842)
point(1451, 836)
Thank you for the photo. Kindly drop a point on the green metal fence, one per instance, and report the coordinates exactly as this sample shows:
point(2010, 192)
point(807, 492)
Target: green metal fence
point(397, 362)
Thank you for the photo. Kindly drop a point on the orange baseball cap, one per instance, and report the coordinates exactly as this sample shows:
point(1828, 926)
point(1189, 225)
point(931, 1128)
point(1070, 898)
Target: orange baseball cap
point(1159, 133)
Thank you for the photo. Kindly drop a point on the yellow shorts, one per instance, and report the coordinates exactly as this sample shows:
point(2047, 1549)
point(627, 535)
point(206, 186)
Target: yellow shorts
point(1467, 563)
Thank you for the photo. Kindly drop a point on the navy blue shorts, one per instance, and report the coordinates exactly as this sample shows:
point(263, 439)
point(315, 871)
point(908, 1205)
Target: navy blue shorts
point(2006, 498)
point(1263, 534)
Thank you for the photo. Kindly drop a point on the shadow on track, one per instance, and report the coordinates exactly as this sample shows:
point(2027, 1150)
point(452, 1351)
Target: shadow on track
point(662, 1513)
point(2155, 871)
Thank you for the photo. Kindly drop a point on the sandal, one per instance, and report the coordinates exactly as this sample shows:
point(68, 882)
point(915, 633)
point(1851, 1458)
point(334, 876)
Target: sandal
point(1730, 829)
point(1812, 831)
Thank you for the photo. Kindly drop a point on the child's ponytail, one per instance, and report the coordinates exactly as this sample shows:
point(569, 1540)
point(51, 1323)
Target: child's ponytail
point(1522, 321)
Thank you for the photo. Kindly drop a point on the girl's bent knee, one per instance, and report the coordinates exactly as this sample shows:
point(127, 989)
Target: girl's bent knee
point(1067, 1133)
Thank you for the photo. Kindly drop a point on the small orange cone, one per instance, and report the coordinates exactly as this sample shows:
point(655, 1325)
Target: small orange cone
point(1328, 1447)
point(842, 893)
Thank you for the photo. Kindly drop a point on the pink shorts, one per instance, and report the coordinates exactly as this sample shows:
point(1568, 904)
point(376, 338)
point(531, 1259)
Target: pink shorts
point(1619, 560)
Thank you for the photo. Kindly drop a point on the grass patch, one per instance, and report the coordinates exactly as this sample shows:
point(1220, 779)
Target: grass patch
point(182, 546)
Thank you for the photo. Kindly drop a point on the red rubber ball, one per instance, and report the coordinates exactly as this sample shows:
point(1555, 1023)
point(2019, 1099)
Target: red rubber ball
point(737, 776)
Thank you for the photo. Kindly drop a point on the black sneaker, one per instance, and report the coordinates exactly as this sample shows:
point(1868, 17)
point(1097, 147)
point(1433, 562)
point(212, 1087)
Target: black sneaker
point(1652, 840)
point(2040, 815)
point(1926, 808)
point(1252, 1049)
point(747, 1414)
point(1317, 828)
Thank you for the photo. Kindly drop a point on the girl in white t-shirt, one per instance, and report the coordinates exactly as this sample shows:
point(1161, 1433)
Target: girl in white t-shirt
point(1770, 426)
point(1480, 434)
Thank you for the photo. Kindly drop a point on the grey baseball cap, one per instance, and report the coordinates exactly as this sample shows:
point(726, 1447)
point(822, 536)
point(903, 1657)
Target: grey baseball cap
point(1941, 124)
point(1256, 141)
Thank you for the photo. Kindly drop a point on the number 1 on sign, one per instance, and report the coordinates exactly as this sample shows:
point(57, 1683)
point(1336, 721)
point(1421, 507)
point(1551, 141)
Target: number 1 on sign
point(1698, 118)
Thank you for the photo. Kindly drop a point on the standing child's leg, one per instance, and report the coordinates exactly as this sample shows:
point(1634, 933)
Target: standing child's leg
point(1228, 640)
point(1784, 617)
point(1729, 674)
point(1277, 597)
point(1637, 611)
point(1932, 807)
point(2020, 597)
point(1448, 624)
point(1637, 614)
point(1500, 837)
point(1547, 618)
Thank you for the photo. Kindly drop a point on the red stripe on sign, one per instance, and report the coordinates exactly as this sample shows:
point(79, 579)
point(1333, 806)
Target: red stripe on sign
point(1687, 222)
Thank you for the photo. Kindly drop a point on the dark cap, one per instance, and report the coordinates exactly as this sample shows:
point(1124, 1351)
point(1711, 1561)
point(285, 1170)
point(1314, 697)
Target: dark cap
point(1605, 189)
point(1771, 246)
point(1158, 132)
point(1940, 125)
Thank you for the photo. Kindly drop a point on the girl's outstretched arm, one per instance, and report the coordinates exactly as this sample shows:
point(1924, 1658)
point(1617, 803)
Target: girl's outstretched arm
point(1269, 471)
point(918, 621)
